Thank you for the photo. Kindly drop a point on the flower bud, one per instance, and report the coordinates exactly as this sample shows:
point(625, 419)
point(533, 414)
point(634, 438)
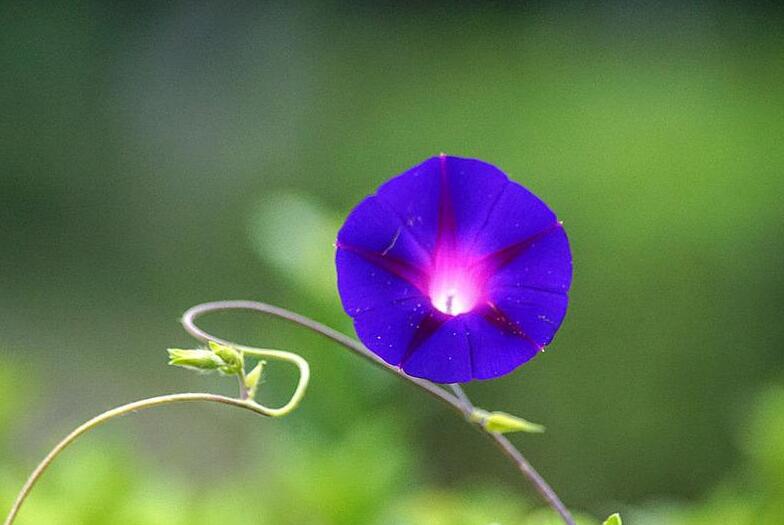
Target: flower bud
point(253, 378)
point(502, 423)
point(200, 360)
point(231, 357)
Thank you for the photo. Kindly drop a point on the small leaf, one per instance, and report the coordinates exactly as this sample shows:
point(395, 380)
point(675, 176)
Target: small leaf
point(615, 519)
point(199, 360)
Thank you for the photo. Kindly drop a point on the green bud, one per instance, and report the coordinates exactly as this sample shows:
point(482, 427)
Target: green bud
point(200, 360)
point(615, 519)
point(231, 357)
point(253, 378)
point(501, 422)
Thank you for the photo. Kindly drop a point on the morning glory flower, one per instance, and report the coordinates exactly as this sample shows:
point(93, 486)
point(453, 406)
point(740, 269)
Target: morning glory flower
point(454, 272)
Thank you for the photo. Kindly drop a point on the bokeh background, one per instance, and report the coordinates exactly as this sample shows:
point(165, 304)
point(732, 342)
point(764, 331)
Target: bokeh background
point(157, 155)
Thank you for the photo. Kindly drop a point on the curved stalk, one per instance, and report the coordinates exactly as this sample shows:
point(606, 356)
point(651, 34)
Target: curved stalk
point(189, 324)
point(302, 385)
point(459, 401)
point(121, 411)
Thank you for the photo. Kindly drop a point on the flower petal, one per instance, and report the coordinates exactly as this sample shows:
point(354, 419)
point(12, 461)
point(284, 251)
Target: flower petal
point(413, 196)
point(537, 313)
point(473, 188)
point(444, 356)
point(545, 263)
point(363, 285)
point(378, 260)
point(374, 228)
point(517, 215)
point(389, 330)
point(496, 350)
point(453, 194)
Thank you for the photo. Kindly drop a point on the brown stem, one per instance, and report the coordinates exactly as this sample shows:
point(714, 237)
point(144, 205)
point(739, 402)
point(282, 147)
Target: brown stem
point(459, 402)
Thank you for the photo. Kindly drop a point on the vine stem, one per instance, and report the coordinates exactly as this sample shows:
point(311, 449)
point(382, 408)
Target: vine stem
point(459, 401)
point(121, 411)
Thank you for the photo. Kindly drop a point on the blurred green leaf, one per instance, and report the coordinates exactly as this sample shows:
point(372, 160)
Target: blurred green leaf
point(296, 236)
point(763, 437)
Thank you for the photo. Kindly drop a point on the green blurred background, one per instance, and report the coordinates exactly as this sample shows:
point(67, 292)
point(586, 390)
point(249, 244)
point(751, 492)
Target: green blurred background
point(153, 156)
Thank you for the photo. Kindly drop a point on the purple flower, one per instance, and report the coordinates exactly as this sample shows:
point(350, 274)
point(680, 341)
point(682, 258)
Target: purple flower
point(453, 272)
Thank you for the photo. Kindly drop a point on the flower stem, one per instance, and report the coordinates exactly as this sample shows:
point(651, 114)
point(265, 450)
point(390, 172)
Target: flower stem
point(121, 411)
point(502, 442)
point(459, 402)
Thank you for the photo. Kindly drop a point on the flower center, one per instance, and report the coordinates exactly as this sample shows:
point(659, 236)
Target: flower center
point(454, 290)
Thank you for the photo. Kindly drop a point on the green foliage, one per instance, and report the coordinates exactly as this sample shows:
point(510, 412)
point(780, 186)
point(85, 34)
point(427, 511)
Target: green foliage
point(754, 494)
point(306, 481)
point(295, 234)
point(466, 506)
point(220, 162)
point(13, 389)
point(615, 519)
point(365, 476)
point(763, 435)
